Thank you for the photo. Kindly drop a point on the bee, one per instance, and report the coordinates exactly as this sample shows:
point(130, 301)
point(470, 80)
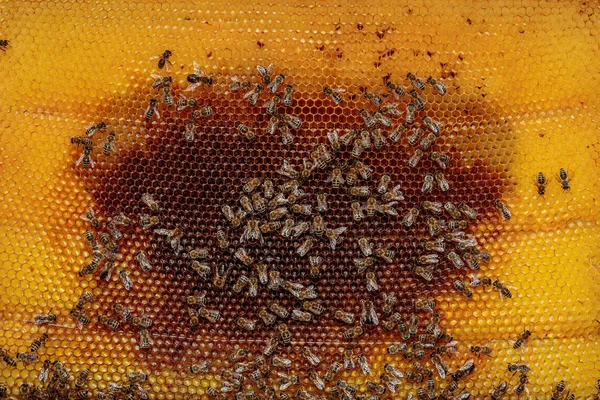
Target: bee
point(467, 368)
point(200, 367)
point(563, 178)
point(480, 281)
point(353, 333)
point(410, 217)
point(148, 200)
point(558, 390)
point(368, 315)
point(106, 271)
point(60, 371)
point(540, 183)
point(393, 195)
point(437, 85)
point(332, 371)
point(390, 381)
point(168, 96)
point(304, 209)
point(372, 285)
point(390, 109)
point(268, 189)
point(382, 119)
point(372, 206)
point(502, 289)
point(519, 367)
point(163, 59)
point(344, 317)
point(376, 388)
point(364, 171)
point(335, 94)
point(416, 81)
point(184, 103)
point(385, 254)
point(211, 316)
point(415, 137)
point(90, 131)
point(148, 221)
point(424, 305)
point(7, 358)
point(499, 391)
point(252, 94)
point(359, 191)
point(316, 380)
point(202, 269)
point(357, 149)
point(238, 84)
point(281, 362)
point(318, 225)
point(298, 315)
point(423, 273)
point(471, 261)
point(286, 381)
point(365, 246)
point(240, 284)
point(367, 118)
point(481, 350)
point(275, 83)
point(503, 210)
point(199, 254)
point(190, 131)
point(334, 236)
point(85, 158)
point(378, 139)
point(28, 358)
point(417, 100)
point(173, 237)
point(271, 105)
point(270, 227)
point(198, 78)
point(521, 385)
point(441, 159)
point(293, 121)
point(397, 132)
point(435, 245)
point(455, 259)
point(275, 282)
point(109, 144)
point(372, 97)
point(126, 279)
point(286, 135)
point(279, 310)
point(396, 89)
point(82, 378)
point(145, 339)
point(396, 348)
point(203, 112)
point(310, 356)
point(151, 109)
point(44, 372)
point(300, 229)
point(522, 339)
point(265, 72)
point(252, 232)
point(462, 288)
point(82, 140)
point(278, 213)
point(415, 158)
point(245, 323)
point(433, 125)
point(288, 93)
point(110, 323)
point(432, 206)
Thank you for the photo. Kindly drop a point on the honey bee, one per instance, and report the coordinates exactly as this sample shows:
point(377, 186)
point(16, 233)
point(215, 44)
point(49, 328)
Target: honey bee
point(359, 191)
point(278, 213)
point(286, 381)
point(202, 269)
point(271, 105)
point(318, 225)
point(60, 371)
point(390, 381)
point(7, 358)
point(423, 273)
point(211, 316)
point(279, 310)
point(288, 93)
point(378, 139)
point(416, 81)
point(455, 259)
point(373, 97)
point(203, 112)
point(334, 236)
point(417, 101)
point(148, 221)
point(519, 367)
point(293, 121)
point(382, 119)
point(316, 380)
point(82, 378)
point(390, 109)
point(462, 288)
point(396, 348)
point(396, 89)
point(145, 340)
point(503, 210)
point(433, 125)
point(521, 385)
point(299, 229)
point(335, 94)
point(44, 372)
point(397, 132)
point(467, 368)
point(563, 178)
point(28, 358)
point(303, 209)
point(168, 96)
point(372, 285)
point(368, 315)
point(434, 207)
point(85, 159)
point(184, 103)
point(368, 119)
point(344, 317)
point(415, 158)
point(91, 130)
point(82, 140)
point(265, 72)
point(558, 390)
point(357, 149)
point(471, 262)
point(298, 315)
point(163, 59)
point(275, 83)
point(372, 206)
point(268, 189)
point(437, 85)
point(245, 323)
point(220, 276)
point(198, 78)
point(109, 144)
point(540, 183)
point(173, 237)
point(502, 289)
point(200, 367)
point(441, 159)
point(275, 282)
point(110, 323)
point(238, 84)
point(151, 109)
point(240, 284)
point(353, 333)
point(126, 279)
point(365, 246)
point(499, 391)
point(385, 254)
point(190, 131)
point(376, 388)
point(281, 362)
point(252, 94)
point(410, 217)
point(252, 233)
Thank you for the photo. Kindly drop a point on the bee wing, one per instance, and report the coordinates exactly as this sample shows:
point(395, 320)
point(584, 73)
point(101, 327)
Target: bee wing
point(338, 90)
point(333, 136)
point(440, 368)
point(192, 87)
point(157, 56)
point(79, 160)
point(249, 93)
point(198, 69)
point(156, 76)
point(162, 232)
point(341, 230)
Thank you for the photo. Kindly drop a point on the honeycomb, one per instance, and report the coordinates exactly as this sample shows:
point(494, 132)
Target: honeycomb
point(521, 86)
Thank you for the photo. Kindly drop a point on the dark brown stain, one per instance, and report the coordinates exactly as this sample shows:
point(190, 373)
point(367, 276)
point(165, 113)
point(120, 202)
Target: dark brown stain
point(192, 180)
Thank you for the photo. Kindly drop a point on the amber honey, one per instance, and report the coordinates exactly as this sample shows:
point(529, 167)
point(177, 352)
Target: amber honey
point(521, 99)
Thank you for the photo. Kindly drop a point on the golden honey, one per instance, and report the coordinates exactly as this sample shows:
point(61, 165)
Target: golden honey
point(522, 87)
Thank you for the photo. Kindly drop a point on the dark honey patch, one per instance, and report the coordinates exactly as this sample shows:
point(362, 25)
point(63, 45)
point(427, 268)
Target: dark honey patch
point(191, 181)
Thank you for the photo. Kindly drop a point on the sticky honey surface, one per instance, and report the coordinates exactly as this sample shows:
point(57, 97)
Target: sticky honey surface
point(522, 83)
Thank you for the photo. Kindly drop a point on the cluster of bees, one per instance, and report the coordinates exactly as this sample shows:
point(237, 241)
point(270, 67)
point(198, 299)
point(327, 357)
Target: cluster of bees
point(287, 211)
